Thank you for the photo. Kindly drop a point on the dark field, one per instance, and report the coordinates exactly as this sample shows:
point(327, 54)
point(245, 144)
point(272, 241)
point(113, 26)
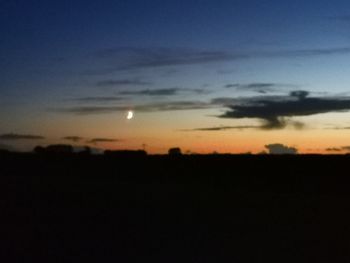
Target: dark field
point(175, 208)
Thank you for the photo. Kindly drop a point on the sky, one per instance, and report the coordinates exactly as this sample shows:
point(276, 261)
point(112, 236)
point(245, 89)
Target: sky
point(206, 76)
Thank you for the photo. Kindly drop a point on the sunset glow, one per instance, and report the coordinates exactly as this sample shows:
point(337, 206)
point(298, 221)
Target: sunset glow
point(228, 77)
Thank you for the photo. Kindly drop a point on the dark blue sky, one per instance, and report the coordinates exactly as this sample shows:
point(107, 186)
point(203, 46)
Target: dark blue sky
point(66, 56)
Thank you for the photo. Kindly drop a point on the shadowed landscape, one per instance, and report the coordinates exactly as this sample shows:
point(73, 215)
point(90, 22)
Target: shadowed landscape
point(174, 131)
point(175, 208)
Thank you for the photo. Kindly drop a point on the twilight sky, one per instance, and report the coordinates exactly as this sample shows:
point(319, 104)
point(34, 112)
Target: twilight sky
point(225, 76)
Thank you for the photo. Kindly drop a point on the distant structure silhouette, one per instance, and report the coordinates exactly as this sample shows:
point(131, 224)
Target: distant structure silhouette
point(126, 153)
point(175, 151)
point(55, 149)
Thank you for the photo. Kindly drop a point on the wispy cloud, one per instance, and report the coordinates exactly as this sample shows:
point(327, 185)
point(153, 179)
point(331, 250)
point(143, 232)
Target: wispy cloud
point(339, 128)
point(223, 128)
point(102, 140)
point(339, 149)
point(259, 87)
point(122, 83)
point(73, 138)
point(130, 58)
point(153, 92)
point(97, 99)
point(274, 110)
point(162, 92)
point(151, 107)
point(90, 110)
point(14, 136)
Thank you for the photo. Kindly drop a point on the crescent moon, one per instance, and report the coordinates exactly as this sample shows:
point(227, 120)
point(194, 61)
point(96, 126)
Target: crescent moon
point(130, 115)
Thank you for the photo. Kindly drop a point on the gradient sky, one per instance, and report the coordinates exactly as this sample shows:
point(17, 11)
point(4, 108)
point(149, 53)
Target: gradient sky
point(225, 76)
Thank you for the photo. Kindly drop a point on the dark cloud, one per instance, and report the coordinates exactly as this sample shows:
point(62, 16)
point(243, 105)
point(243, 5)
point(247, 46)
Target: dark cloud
point(275, 110)
point(14, 136)
point(251, 85)
point(151, 107)
point(300, 94)
point(278, 148)
point(97, 99)
point(73, 138)
point(122, 82)
point(222, 128)
point(102, 140)
point(346, 148)
point(310, 52)
point(162, 92)
point(339, 128)
point(339, 149)
point(259, 87)
point(129, 58)
point(334, 149)
point(173, 106)
point(153, 92)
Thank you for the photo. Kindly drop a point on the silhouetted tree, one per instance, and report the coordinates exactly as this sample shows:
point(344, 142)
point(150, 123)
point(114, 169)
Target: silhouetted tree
point(59, 148)
point(125, 153)
point(54, 149)
point(39, 149)
point(175, 151)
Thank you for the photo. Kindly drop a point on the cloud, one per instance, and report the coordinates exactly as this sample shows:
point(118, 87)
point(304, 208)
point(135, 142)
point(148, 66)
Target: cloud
point(102, 140)
point(90, 110)
point(97, 99)
point(278, 148)
point(275, 110)
point(154, 92)
point(14, 136)
point(73, 138)
point(222, 128)
point(338, 149)
point(310, 52)
point(131, 58)
point(151, 107)
point(334, 149)
point(339, 128)
point(122, 82)
point(251, 85)
point(162, 92)
point(259, 87)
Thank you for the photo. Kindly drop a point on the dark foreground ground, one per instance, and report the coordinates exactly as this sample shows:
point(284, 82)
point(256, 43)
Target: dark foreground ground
point(174, 209)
